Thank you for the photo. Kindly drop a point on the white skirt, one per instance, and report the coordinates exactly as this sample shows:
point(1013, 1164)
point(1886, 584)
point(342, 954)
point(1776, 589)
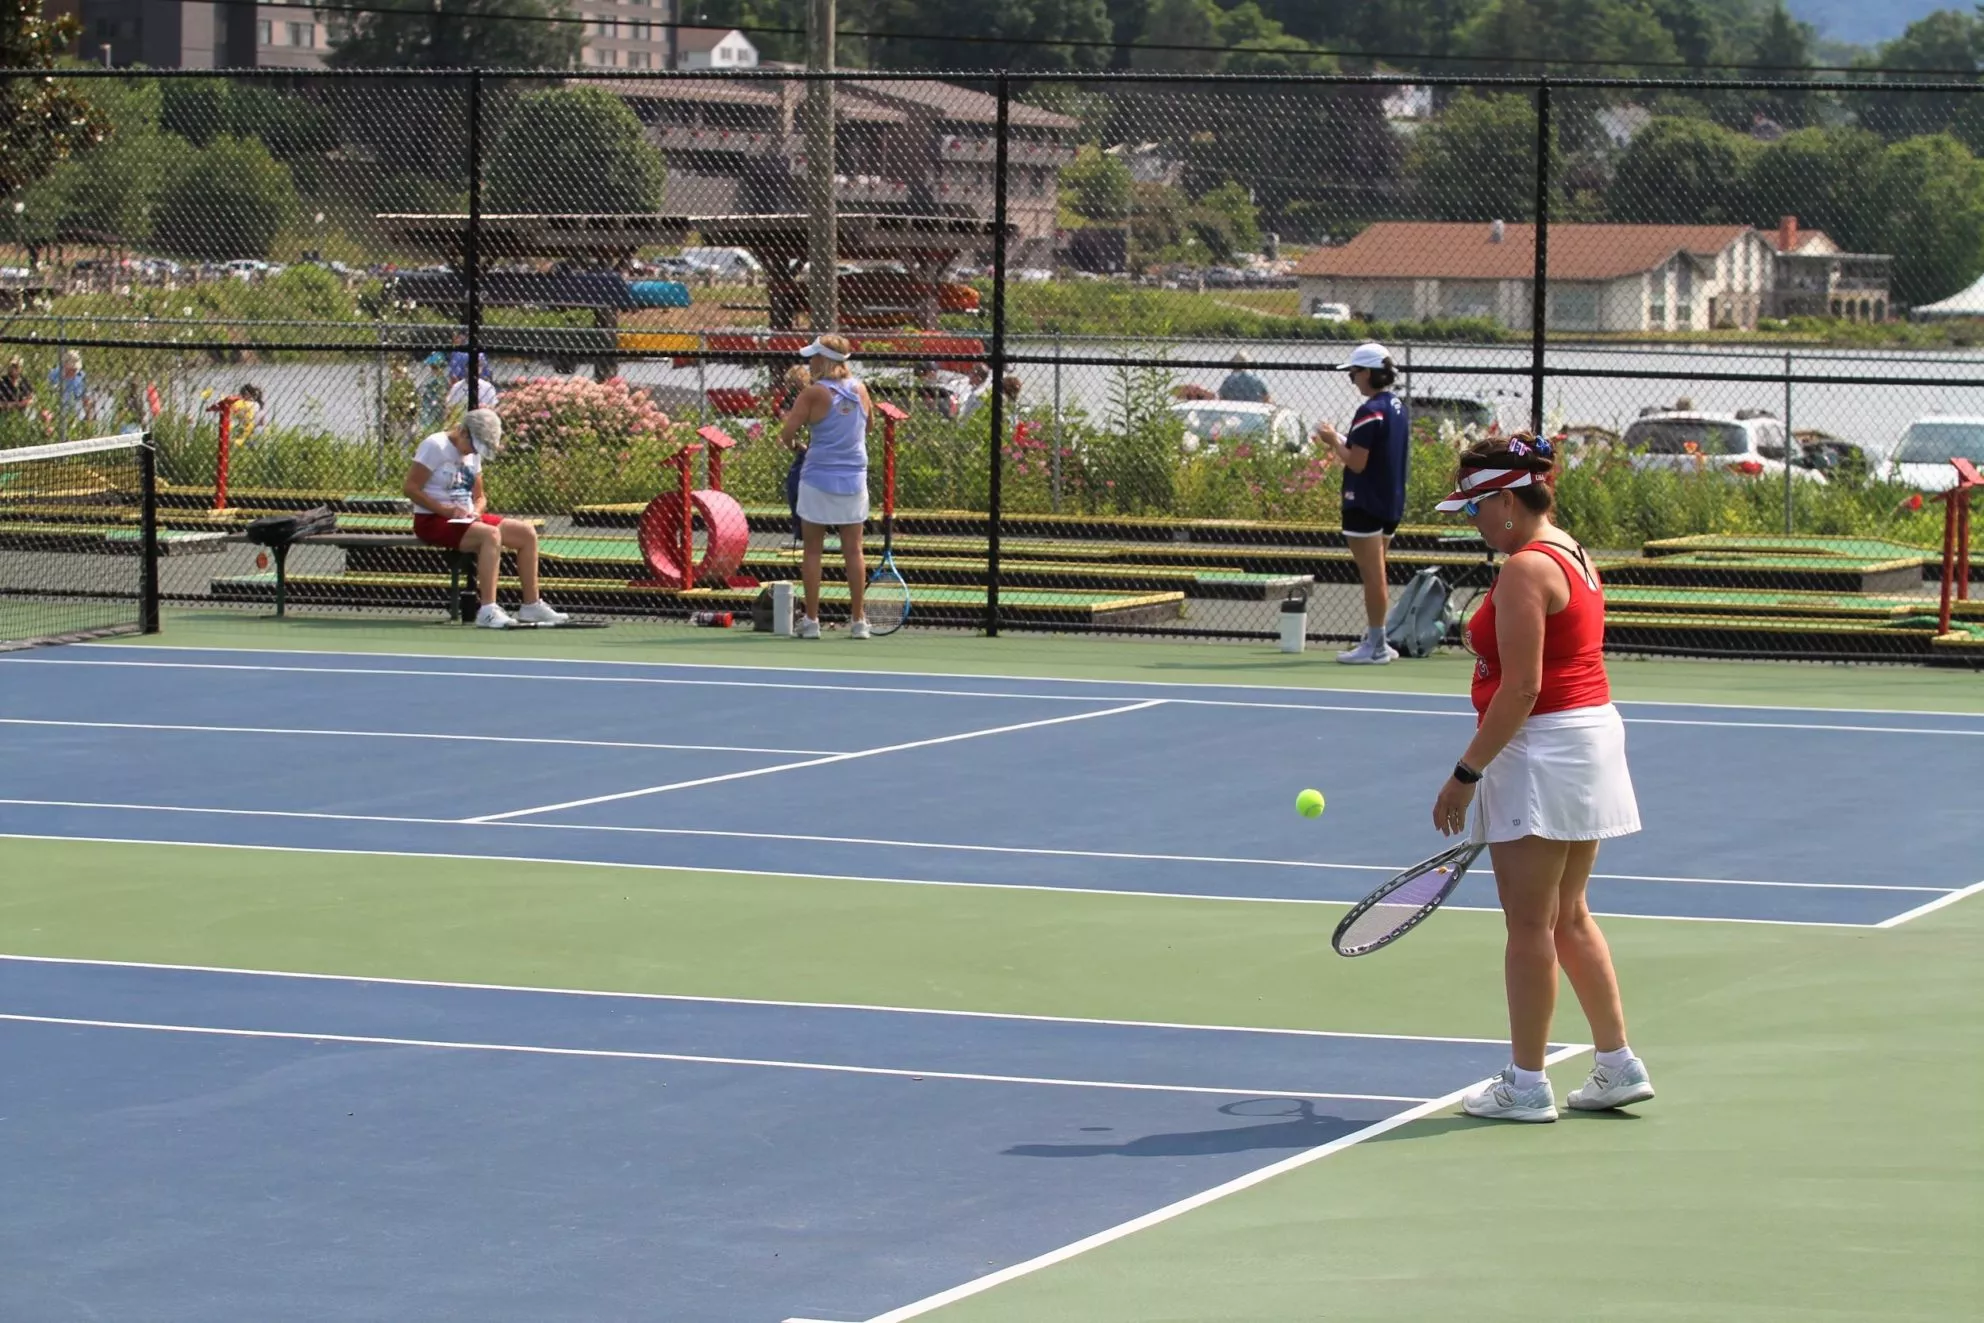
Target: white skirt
point(833, 509)
point(1563, 777)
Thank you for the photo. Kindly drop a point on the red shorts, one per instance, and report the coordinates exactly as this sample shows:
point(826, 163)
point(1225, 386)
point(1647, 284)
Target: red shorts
point(437, 531)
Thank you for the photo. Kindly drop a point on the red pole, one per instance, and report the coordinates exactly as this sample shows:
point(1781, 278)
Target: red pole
point(1949, 558)
point(1963, 549)
point(225, 408)
point(688, 520)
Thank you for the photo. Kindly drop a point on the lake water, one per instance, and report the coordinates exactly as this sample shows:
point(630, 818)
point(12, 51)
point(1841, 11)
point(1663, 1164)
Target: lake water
point(342, 395)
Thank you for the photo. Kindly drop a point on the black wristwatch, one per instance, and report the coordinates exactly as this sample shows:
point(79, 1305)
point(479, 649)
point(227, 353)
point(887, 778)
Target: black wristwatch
point(1466, 775)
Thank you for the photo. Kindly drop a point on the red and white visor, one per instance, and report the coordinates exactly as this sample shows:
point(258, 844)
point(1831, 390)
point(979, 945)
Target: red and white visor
point(1477, 483)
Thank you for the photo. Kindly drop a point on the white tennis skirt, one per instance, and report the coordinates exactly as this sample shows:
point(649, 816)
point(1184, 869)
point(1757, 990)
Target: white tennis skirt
point(1563, 777)
point(833, 509)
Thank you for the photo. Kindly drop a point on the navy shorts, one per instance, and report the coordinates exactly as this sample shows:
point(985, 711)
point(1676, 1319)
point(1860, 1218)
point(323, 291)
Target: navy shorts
point(1356, 523)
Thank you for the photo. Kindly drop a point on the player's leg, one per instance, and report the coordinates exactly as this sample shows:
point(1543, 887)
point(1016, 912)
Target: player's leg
point(853, 553)
point(482, 542)
point(1526, 876)
point(815, 537)
point(520, 536)
point(1618, 1077)
point(1368, 553)
point(1582, 951)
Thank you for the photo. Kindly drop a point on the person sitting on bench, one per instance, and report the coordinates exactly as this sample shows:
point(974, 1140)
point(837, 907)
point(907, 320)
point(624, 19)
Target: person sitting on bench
point(445, 485)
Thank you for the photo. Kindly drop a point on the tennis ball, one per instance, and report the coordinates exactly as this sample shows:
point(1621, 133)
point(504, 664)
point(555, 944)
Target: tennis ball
point(1309, 803)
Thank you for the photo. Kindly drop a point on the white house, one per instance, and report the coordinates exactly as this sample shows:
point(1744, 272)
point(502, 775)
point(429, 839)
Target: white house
point(1602, 277)
point(714, 48)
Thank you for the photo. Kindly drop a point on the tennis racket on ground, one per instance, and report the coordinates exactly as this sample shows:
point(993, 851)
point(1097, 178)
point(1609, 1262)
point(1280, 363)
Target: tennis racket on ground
point(1403, 903)
point(887, 598)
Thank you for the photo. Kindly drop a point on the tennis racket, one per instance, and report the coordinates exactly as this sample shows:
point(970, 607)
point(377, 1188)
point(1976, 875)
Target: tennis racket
point(1403, 903)
point(886, 602)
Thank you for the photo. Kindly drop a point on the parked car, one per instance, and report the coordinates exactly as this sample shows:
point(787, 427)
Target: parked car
point(1922, 460)
point(1330, 312)
point(1739, 444)
point(1484, 413)
point(1212, 425)
point(731, 264)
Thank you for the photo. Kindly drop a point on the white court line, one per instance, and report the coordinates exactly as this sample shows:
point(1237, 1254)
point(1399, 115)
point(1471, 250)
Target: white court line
point(311, 976)
point(1014, 679)
point(918, 1308)
point(1282, 706)
point(939, 846)
point(1048, 888)
point(396, 735)
point(811, 762)
point(1950, 899)
point(828, 1067)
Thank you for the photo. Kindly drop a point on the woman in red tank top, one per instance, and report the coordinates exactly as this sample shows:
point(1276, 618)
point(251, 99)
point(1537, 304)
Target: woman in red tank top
point(1545, 776)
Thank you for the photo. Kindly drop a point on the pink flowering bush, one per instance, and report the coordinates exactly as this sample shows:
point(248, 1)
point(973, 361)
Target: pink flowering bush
point(570, 440)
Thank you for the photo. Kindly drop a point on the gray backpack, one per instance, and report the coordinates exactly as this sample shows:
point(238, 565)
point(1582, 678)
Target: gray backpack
point(1420, 621)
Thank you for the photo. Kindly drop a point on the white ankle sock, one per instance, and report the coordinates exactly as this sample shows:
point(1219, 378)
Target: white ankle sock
point(1525, 1079)
point(1618, 1058)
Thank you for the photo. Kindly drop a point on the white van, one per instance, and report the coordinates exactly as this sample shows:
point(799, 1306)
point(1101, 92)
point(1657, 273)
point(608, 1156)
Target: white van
point(1922, 460)
point(724, 263)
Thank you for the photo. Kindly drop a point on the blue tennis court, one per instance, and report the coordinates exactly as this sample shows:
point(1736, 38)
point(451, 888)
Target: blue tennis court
point(283, 1145)
point(1759, 814)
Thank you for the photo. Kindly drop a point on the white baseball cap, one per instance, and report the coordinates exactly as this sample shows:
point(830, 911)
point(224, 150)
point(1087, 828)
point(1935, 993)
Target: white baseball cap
point(1370, 354)
point(485, 431)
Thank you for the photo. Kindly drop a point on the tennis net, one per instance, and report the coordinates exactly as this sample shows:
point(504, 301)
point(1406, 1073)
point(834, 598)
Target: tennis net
point(78, 541)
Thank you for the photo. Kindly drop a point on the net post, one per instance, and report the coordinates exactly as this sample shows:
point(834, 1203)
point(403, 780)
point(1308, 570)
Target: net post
point(148, 590)
point(994, 494)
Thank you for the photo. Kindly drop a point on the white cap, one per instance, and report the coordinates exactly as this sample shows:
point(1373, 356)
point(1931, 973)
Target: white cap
point(1368, 355)
point(485, 431)
point(817, 348)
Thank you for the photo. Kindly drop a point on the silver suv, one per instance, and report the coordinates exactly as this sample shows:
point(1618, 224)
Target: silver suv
point(1749, 443)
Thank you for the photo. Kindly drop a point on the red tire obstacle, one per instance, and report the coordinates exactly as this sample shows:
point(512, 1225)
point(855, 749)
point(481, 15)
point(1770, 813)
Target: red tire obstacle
point(667, 527)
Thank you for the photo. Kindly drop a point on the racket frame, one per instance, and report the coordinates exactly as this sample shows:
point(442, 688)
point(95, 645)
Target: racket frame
point(1456, 859)
point(887, 569)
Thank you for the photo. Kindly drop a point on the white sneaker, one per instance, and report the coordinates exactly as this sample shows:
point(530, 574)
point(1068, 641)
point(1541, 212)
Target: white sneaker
point(858, 630)
point(493, 617)
point(1612, 1086)
point(809, 628)
point(1365, 654)
point(1502, 1100)
point(540, 613)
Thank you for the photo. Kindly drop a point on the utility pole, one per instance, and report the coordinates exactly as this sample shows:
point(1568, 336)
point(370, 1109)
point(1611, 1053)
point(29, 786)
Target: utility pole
point(823, 234)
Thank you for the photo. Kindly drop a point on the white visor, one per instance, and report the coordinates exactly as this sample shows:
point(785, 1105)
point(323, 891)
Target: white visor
point(816, 349)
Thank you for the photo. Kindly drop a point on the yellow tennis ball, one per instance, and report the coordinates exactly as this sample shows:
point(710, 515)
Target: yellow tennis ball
point(1309, 803)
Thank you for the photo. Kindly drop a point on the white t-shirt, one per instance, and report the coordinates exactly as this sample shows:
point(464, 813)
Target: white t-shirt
point(485, 394)
point(452, 474)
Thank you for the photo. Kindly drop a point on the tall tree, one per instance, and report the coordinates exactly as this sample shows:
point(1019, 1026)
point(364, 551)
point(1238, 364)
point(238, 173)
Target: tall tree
point(1682, 172)
point(106, 192)
point(454, 34)
point(1477, 162)
point(573, 150)
point(230, 200)
point(1784, 51)
point(1930, 192)
point(1934, 49)
point(42, 121)
point(1030, 26)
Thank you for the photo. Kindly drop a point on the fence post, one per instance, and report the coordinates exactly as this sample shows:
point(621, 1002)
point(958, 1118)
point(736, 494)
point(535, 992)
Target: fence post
point(148, 548)
point(996, 449)
point(472, 241)
point(1790, 447)
point(1054, 460)
point(1539, 285)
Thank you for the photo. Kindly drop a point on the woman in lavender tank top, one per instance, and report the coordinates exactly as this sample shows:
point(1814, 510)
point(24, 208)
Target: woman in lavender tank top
point(833, 481)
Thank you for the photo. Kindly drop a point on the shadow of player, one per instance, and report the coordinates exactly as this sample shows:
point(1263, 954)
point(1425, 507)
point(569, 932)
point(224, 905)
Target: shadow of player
point(1296, 1125)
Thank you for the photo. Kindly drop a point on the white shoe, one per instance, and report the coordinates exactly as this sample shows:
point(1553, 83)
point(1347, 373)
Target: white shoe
point(493, 617)
point(858, 630)
point(1612, 1086)
point(539, 613)
point(1502, 1100)
point(809, 628)
point(1365, 654)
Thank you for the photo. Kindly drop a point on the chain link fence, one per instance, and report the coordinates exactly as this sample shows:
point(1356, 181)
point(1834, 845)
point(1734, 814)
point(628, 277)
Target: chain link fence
point(1751, 341)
